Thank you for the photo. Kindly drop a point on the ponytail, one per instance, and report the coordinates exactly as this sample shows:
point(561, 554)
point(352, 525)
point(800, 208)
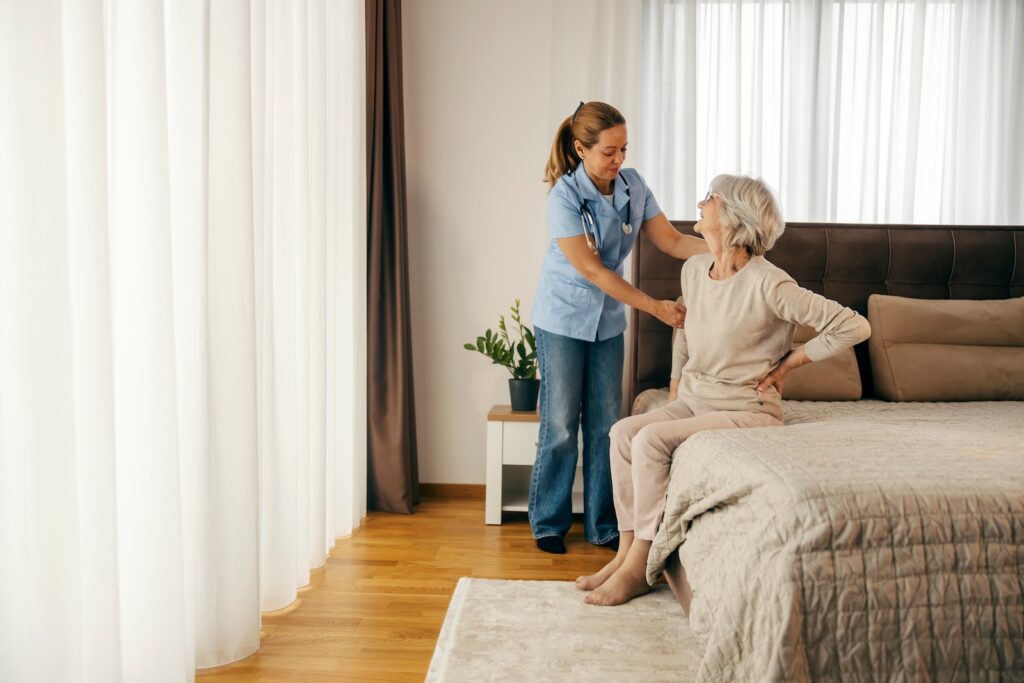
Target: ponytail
point(584, 125)
point(563, 158)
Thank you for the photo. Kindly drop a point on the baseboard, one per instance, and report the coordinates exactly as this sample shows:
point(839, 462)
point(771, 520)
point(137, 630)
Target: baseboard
point(467, 491)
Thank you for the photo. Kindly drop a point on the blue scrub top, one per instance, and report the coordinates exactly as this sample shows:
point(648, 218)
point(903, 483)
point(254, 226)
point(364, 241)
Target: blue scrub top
point(566, 302)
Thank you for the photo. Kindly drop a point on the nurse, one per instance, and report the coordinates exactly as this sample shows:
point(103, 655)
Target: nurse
point(596, 210)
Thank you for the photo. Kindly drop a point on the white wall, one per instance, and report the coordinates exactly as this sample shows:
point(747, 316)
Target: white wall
point(478, 130)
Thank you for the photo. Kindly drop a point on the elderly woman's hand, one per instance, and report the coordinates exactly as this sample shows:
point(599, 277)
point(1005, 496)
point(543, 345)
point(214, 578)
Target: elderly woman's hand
point(777, 377)
point(672, 313)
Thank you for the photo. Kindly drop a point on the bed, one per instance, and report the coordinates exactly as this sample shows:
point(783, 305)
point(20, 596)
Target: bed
point(865, 540)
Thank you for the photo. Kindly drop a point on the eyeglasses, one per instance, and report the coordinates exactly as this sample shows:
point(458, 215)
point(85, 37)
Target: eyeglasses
point(708, 196)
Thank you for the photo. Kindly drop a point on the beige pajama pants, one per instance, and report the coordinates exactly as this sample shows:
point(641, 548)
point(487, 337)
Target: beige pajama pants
point(641, 455)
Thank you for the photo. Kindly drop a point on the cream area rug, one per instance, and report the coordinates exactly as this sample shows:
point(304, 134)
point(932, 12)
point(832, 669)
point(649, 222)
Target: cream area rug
point(542, 631)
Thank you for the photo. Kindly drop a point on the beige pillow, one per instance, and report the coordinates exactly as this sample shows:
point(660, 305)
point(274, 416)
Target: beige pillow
point(648, 400)
point(834, 379)
point(947, 350)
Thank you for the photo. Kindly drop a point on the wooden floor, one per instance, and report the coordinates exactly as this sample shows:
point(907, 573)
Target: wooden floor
point(374, 612)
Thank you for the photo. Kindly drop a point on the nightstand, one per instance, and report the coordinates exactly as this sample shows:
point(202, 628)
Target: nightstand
point(511, 452)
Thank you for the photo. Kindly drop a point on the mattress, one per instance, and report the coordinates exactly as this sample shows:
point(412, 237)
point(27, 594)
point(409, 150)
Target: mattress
point(863, 541)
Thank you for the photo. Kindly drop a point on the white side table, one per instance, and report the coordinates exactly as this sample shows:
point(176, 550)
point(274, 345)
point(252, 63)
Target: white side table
point(511, 452)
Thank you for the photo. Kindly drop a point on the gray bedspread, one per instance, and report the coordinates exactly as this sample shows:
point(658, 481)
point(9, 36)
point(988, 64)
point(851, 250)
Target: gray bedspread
point(863, 541)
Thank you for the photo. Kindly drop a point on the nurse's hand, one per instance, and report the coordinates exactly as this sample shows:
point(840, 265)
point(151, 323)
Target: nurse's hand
point(672, 313)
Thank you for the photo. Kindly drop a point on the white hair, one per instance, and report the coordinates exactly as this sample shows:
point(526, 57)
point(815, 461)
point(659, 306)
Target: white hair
point(748, 213)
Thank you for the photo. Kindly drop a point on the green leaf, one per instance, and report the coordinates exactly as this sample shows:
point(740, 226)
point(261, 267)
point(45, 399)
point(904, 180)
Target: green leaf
point(518, 356)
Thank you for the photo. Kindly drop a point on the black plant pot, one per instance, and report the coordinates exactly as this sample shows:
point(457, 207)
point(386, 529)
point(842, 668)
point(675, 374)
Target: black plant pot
point(524, 394)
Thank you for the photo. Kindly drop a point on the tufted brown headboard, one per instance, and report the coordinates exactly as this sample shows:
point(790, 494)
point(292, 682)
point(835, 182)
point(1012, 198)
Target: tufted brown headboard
point(846, 263)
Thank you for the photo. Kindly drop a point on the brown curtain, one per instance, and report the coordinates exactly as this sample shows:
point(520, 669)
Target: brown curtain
point(392, 472)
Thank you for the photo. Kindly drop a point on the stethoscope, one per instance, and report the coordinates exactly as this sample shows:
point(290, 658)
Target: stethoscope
point(590, 225)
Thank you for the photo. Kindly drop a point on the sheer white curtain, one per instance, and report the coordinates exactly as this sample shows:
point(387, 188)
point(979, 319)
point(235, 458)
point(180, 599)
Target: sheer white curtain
point(182, 418)
point(854, 110)
point(308, 177)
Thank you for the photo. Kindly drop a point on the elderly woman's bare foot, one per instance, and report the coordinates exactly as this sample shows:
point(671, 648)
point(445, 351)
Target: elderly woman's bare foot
point(589, 583)
point(620, 588)
point(627, 582)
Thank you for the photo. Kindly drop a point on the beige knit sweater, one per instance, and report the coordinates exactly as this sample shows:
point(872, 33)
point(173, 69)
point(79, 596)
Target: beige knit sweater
point(738, 329)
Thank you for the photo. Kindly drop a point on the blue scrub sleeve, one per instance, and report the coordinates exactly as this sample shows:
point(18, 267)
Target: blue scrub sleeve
point(651, 208)
point(563, 215)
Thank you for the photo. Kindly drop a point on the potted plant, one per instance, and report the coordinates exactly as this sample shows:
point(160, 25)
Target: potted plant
point(519, 357)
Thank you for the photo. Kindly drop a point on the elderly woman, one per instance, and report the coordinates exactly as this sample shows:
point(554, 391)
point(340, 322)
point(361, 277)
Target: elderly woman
point(728, 365)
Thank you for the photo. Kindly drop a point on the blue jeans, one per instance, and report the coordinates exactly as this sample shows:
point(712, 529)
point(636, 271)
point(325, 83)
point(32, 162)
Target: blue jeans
point(576, 377)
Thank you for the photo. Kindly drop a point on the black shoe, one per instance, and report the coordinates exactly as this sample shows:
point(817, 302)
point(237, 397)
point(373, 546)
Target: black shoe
point(552, 544)
point(613, 544)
